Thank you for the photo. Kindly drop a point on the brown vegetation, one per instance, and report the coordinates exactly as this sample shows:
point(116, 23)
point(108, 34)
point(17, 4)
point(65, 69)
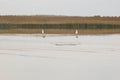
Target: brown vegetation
point(58, 19)
point(59, 31)
point(34, 24)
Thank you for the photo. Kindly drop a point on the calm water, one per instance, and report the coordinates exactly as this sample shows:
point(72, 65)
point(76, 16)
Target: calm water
point(59, 57)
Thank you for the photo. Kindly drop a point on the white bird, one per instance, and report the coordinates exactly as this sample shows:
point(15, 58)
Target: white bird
point(43, 33)
point(76, 32)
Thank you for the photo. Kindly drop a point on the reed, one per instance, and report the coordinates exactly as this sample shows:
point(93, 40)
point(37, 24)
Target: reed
point(60, 26)
point(61, 31)
point(34, 24)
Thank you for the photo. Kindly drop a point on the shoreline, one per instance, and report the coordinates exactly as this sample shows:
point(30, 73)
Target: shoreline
point(61, 31)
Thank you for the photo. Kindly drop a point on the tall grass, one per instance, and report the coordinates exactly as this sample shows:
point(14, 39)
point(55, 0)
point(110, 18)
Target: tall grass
point(58, 19)
point(60, 26)
point(34, 24)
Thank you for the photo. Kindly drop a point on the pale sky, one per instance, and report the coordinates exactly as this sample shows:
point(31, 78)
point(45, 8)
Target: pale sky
point(60, 7)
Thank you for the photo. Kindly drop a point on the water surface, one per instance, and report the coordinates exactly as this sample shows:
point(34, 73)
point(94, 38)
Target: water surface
point(59, 57)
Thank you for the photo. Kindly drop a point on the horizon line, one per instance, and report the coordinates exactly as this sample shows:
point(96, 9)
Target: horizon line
point(54, 15)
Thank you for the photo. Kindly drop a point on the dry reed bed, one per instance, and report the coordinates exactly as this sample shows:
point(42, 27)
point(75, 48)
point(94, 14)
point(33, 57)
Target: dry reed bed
point(59, 24)
point(57, 19)
point(60, 31)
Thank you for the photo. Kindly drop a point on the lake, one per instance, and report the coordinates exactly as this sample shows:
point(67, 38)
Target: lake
point(59, 57)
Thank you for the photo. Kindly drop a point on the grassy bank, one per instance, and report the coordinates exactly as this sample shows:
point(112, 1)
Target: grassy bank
point(59, 24)
point(60, 31)
point(58, 19)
